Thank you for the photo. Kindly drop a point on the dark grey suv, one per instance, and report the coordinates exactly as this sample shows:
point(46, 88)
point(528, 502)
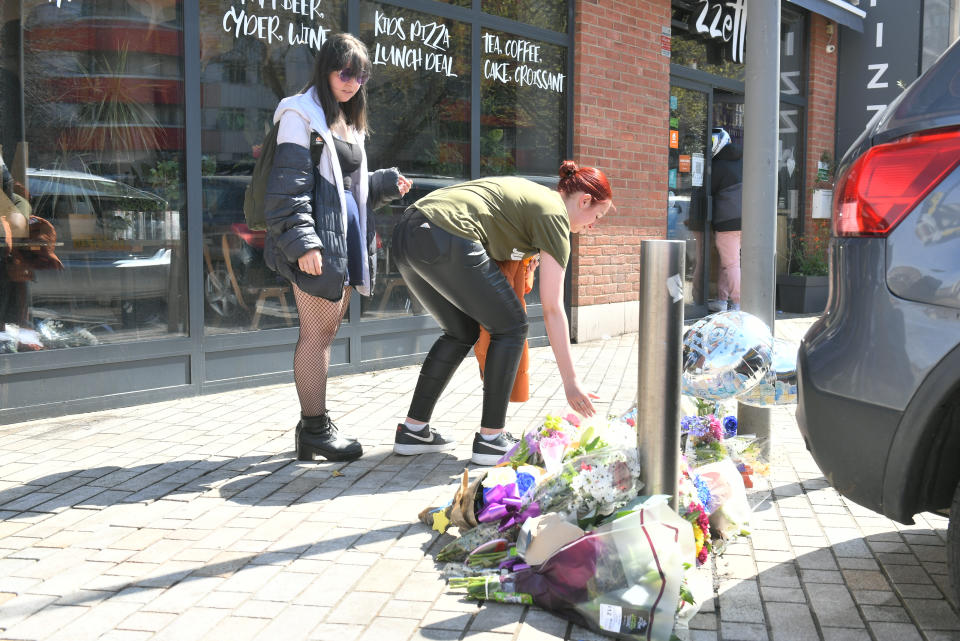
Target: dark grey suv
point(879, 372)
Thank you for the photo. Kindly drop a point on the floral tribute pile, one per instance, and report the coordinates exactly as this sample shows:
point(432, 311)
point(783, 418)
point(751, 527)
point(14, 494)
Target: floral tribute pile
point(560, 522)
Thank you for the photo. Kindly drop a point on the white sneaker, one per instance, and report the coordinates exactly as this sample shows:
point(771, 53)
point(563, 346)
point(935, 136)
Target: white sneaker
point(717, 305)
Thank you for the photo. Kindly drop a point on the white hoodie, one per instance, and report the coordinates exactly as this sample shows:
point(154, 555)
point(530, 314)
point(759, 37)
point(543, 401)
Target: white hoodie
point(299, 115)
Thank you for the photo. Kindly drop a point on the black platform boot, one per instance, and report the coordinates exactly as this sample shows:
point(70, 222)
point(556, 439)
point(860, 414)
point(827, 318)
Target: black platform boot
point(317, 435)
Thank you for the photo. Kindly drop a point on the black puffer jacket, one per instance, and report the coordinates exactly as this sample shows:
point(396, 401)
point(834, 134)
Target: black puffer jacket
point(726, 185)
point(303, 212)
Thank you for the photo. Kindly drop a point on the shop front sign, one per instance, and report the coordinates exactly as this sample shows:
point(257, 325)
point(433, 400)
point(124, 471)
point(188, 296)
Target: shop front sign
point(724, 20)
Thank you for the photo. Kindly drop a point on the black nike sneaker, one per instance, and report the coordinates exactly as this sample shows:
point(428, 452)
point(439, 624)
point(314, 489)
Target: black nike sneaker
point(489, 452)
point(407, 442)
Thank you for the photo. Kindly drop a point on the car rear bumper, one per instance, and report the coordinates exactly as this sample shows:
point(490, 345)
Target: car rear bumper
point(860, 368)
point(849, 439)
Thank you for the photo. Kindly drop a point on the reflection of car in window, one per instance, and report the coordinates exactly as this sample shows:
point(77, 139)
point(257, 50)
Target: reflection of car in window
point(115, 241)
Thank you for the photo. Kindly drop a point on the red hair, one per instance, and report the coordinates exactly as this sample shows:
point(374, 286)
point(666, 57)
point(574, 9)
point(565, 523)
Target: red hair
point(589, 180)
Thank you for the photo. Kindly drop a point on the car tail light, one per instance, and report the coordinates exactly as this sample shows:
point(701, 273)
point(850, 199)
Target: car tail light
point(888, 181)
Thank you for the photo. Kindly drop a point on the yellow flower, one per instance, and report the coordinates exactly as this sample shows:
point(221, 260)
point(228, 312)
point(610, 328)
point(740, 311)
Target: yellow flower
point(698, 538)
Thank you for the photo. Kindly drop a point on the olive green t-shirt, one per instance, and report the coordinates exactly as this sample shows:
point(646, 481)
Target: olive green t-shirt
point(513, 218)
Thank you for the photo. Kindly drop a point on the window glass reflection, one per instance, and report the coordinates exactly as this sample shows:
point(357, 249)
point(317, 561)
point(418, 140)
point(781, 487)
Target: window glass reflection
point(91, 125)
point(419, 106)
point(243, 77)
point(548, 14)
point(523, 110)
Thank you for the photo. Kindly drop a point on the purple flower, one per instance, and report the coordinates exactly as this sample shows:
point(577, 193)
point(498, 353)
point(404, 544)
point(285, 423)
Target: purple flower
point(533, 443)
point(694, 425)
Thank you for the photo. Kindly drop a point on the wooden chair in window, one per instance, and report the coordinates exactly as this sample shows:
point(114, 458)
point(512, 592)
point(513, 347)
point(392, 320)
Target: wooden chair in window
point(263, 306)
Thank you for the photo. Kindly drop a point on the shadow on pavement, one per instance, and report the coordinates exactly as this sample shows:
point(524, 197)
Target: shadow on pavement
point(250, 480)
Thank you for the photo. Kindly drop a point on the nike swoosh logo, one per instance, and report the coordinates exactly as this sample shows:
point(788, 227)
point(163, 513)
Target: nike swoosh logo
point(425, 439)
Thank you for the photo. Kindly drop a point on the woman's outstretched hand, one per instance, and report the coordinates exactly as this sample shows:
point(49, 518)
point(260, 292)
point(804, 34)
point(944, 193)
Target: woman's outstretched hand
point(580, 400)
point(404, 184)
point(311, 262)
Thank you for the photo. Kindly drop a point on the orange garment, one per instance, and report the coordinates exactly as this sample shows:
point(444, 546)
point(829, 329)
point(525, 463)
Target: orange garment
point(516, 273)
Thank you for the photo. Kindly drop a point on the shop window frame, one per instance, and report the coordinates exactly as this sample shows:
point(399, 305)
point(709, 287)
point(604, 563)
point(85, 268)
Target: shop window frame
point(192, 352)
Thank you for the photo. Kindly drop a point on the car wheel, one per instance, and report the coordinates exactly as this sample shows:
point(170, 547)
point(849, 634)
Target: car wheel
point(953, 545)
point(219, 293)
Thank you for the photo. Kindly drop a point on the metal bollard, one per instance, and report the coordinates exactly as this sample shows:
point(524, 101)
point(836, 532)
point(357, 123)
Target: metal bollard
point(659, 362)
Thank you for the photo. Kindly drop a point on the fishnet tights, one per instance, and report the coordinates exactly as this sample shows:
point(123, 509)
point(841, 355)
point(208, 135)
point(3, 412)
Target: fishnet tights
point(319, 321)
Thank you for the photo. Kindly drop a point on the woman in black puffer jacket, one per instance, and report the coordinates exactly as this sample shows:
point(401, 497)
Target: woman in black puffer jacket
point(726, 186)
point(320, 226)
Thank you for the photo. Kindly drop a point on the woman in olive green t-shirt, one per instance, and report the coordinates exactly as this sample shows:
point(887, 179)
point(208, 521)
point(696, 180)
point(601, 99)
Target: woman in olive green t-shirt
point(446, 246)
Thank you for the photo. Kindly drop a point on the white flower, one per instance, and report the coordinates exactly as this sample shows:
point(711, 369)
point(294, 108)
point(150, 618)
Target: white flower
point(499, 476)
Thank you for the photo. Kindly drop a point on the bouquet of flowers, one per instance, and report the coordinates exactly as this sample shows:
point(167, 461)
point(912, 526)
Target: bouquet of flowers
point(747, 454)
point(721, 461)
point(623, 578)
point(586, 488)
point(704, 439)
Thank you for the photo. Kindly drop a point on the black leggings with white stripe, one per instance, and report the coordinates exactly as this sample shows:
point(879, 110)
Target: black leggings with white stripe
point(463, 288)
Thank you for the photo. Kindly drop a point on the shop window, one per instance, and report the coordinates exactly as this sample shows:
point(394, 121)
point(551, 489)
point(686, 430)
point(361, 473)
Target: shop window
point(419, 95)
point(523, 109)
point(711, 56)
point(939, 29)
point(790, 162)
point(547, 14)
point(793, 55)
point(419, 105)
point(244, 74)
point(91, 126)
point(698, 43)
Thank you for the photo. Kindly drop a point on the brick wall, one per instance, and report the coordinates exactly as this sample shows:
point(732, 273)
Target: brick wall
point(822, 103)
point(620, 126)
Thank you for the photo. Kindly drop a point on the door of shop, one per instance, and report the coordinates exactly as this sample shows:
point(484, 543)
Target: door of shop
point(695, 110)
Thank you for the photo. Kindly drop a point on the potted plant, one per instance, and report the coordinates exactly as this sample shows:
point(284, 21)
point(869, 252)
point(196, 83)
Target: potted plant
point(804, 288)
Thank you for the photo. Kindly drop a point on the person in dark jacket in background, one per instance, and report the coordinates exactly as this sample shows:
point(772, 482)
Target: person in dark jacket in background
point(320, 226)
point(726, 187)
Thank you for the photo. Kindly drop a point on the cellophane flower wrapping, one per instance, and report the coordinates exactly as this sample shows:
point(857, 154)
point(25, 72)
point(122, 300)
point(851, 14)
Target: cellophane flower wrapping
point(622, 579)
point(598, 472)
point(730, 510)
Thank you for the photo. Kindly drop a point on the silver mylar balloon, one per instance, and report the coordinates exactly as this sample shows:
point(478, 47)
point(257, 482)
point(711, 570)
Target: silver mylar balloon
point(724, 355)
point(779, 386)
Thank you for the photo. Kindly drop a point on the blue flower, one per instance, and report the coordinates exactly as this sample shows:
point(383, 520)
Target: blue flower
point(729, 426)
point(524, 482)
point(703, 490)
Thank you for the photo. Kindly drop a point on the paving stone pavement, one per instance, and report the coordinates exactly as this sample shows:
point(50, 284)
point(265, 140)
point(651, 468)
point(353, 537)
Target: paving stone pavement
point(192, 520)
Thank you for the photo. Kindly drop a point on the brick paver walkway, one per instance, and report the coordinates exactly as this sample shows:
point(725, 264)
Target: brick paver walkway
point(191, 519)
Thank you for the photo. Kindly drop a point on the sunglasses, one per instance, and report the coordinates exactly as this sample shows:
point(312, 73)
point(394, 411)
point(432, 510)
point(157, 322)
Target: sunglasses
point(346, 75)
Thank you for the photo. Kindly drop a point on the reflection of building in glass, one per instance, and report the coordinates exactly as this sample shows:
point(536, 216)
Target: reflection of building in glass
point(105, 85)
